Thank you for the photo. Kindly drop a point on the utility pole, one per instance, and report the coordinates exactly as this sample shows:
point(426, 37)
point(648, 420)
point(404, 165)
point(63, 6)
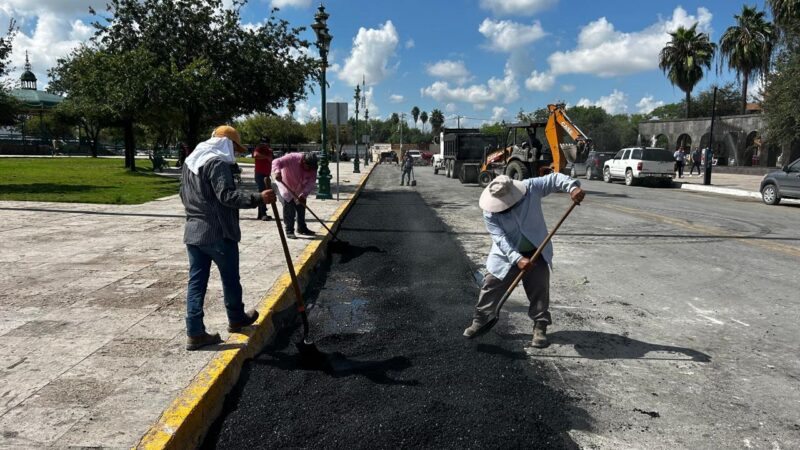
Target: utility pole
point(710, 152)
point(402, 119)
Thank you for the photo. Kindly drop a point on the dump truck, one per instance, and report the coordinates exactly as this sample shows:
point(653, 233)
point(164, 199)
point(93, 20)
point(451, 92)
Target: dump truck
point(461, 153)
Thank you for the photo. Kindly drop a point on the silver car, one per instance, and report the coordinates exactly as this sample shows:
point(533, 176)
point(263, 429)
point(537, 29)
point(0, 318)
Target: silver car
point(784, 183)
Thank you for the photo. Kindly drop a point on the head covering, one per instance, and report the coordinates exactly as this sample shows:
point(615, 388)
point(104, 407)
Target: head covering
point(310, 160)
point(216, 147)
point(230, 133)
point(501, 194)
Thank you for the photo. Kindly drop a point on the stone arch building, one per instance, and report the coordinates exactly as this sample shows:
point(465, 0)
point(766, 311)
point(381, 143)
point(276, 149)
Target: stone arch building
point(737, 139)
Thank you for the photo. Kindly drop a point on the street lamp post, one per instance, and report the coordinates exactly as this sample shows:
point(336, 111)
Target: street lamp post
point(324, 38)
point(357, 97)
point(366, 119)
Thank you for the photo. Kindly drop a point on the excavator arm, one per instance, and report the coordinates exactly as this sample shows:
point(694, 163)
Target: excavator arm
point(559, 124)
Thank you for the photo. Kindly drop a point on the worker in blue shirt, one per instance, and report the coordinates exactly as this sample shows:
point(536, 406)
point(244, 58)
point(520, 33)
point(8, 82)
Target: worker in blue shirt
point(514, 218)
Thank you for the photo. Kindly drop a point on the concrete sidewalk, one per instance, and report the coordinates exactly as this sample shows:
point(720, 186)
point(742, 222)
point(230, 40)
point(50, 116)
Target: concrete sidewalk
point(734, 184)
point(92, 301)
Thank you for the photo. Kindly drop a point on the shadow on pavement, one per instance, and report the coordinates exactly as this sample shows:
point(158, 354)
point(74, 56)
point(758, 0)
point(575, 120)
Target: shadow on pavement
point(348, 252)
point(339, 366)
point(599, 345)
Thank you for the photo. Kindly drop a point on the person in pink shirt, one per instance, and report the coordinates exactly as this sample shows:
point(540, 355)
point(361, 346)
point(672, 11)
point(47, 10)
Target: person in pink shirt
point(298, 172)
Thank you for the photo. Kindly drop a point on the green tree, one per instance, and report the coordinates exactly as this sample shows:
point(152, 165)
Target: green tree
point(728, 103)
point(215, 68)
point(684, 57)
point(9, 106)
point(424, 118)
point(120, 87)
point(415, 115)
point(783, 84)
point(437, 120)
point(746, 47)
point(279, 129)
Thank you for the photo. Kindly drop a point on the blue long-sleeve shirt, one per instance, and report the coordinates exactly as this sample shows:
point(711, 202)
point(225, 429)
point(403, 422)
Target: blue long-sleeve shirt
point(525, 219)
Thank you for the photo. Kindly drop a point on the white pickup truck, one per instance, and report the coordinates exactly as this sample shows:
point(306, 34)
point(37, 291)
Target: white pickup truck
point(635, 164)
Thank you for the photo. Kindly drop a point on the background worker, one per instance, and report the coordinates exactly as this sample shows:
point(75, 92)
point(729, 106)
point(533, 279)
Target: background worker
point(263, 156)
point(406, 167)
point(298, 172)
point(697, 158)
point(212, 232)
point(512, 211)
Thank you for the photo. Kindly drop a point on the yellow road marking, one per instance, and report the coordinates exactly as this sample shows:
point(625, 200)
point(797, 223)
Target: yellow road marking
point(708, 230)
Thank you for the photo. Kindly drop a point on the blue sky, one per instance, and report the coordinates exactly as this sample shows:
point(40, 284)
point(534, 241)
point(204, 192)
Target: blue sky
point(482, 59)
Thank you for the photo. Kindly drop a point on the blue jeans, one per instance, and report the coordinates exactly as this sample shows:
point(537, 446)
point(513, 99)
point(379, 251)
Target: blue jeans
point(261, 182)
point(225, 254)
point(405, 175)
point(289, 210)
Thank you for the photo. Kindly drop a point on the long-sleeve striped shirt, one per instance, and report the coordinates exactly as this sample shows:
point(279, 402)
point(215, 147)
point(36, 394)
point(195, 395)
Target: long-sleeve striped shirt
point(212, 203)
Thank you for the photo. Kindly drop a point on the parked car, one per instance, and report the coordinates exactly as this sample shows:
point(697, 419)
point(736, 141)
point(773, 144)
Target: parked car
point(389, 157)
point(636, 164)
point(416, 155)
point(784, 183)
point(592, 167)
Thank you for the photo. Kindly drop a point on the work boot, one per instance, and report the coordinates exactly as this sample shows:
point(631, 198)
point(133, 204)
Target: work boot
point(196, 342)
point(540, 335)
point(401, 183)
point(472, 329)
point(291, 235)
point(306, 232)
point(250, 318)
point(266, 218)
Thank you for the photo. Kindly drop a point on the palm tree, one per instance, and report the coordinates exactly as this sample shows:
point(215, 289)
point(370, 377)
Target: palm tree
point(395, 119)
point(747, 47)
point(785, 12)
point(437, 120)
point(415, 115)
point(424, 118)
point(683, 58)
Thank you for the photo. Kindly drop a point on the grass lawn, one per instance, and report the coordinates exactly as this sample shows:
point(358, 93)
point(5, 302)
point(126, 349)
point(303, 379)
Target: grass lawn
point(81, 180)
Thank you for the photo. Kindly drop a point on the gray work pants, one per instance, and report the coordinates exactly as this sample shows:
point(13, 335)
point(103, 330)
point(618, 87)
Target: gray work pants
point(536, 282)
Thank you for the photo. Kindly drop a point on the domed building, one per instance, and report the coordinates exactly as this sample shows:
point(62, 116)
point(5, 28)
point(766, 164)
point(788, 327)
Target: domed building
point(34, 102)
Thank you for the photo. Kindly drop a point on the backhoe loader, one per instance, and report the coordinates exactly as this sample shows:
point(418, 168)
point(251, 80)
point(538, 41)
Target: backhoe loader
point(524, 155)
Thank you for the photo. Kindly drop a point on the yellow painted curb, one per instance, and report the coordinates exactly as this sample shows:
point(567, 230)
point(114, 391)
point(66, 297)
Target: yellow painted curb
point(185, 422)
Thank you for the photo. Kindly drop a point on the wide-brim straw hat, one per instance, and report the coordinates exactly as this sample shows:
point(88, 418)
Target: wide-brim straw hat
point(501, 194)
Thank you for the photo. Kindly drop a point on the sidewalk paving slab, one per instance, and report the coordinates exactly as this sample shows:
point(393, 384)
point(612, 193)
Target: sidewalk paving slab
point(739, 185)
point(92, 301)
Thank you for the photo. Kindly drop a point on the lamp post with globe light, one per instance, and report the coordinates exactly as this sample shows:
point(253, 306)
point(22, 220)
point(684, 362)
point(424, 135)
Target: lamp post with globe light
point(324, 38)
point(357, 97)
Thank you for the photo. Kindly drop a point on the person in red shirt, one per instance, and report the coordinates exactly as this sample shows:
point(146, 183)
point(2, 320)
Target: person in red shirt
point(263, 157)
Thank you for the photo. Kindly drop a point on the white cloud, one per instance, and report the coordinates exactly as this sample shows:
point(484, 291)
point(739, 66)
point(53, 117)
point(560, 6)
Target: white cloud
point(451, 70)
point(540, 81)
point(52, 38)
point(372, 49)
point(59, 7)
point(506, 35)
point(517, 7)
point(291, 3)
point(303, 113)
point(604, 51)
point(450, 107)
point(568, 88)
point(648, 103)
point(499, 113)
point(614, 103)
point(755, 91)
point(410, 43)
point(496, 89)
point(396, 98)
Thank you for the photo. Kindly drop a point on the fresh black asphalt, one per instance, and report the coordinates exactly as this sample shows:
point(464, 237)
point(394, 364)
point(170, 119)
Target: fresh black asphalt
point(389, 311)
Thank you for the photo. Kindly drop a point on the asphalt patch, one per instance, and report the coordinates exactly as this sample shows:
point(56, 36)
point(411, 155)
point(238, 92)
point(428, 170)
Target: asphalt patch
point(398, 372)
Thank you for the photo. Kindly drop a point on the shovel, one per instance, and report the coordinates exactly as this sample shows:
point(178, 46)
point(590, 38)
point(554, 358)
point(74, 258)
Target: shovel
point(296, 197)
point(413, 178)
point(491, 323)
point(309, 354)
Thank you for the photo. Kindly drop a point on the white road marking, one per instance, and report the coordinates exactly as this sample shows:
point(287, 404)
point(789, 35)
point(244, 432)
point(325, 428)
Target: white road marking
point(712, 320)
point(740, 322)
